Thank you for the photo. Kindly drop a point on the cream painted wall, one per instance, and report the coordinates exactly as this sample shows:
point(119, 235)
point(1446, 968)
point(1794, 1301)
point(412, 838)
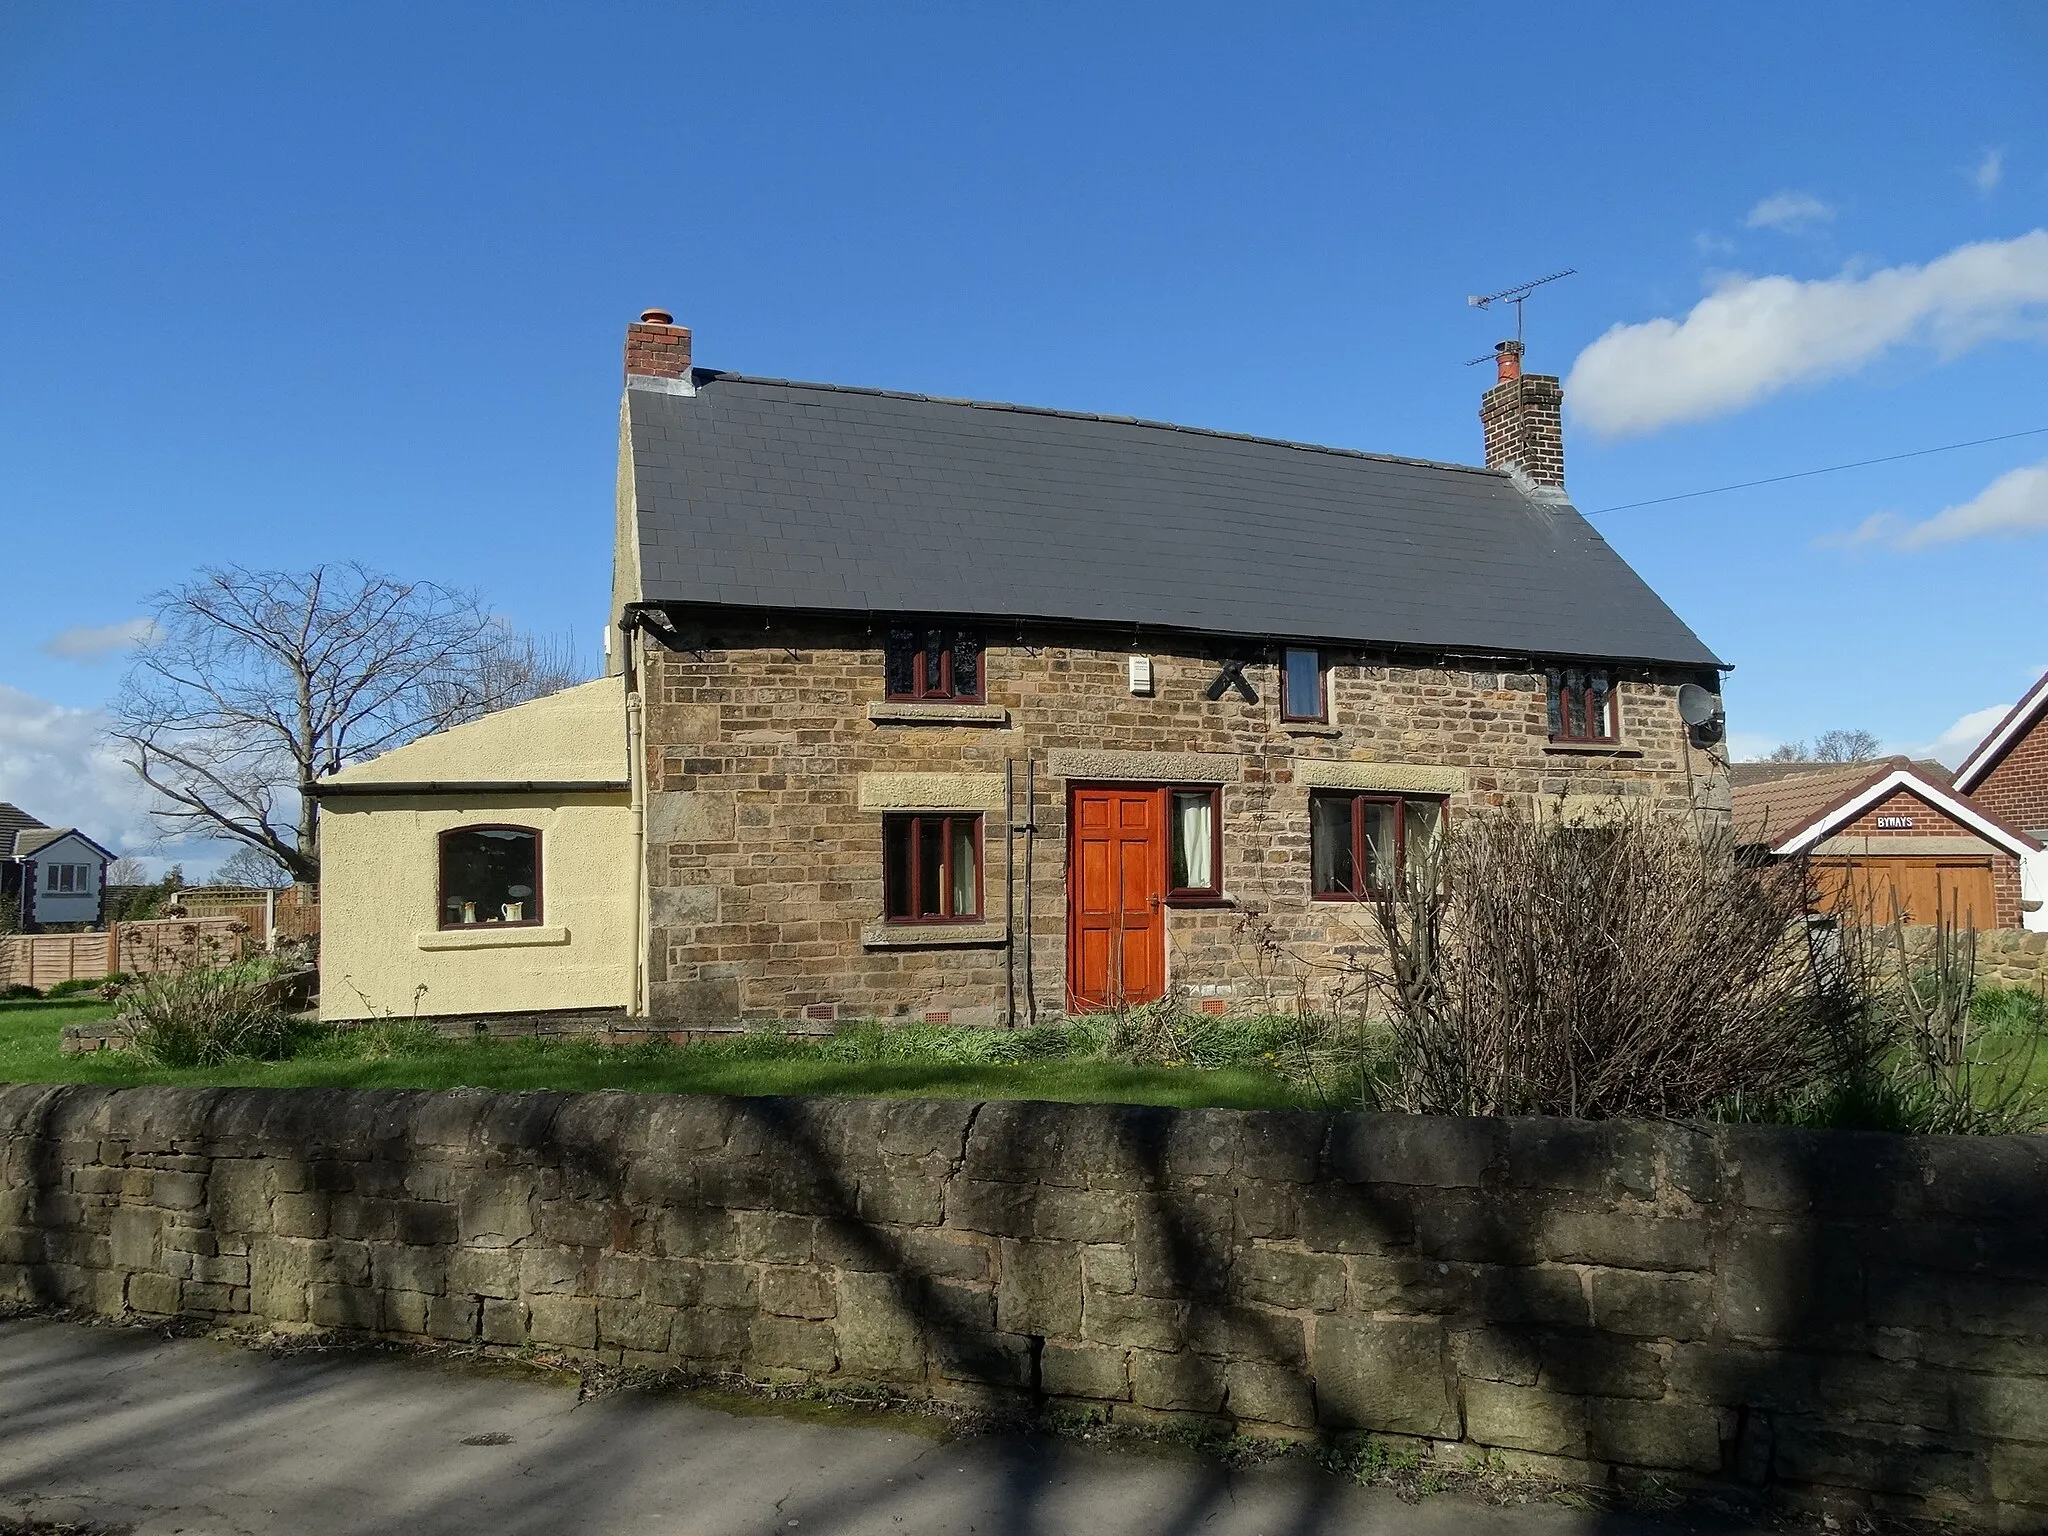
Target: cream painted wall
point(578, 734)
point(379, 942)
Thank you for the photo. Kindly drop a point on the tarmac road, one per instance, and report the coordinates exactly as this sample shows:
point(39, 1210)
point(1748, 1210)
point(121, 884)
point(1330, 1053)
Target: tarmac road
point(130, 1431)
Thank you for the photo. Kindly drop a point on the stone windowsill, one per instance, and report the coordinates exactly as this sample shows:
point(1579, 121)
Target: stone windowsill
point(938, 714)
point(1325, 732)
point(933, 935)
point(1592, 749)
point(492, 937)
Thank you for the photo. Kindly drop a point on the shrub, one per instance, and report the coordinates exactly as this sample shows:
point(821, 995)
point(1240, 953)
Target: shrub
point(19, 992)
point(1630, 970)
point(77, 985)
point(205, 1015)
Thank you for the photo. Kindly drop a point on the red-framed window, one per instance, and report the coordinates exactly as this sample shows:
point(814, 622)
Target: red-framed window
point(1304, 688)
point(1194, 854)
point(1361, 844)
point(489, 876)
point(1582, 705)
point(926, 661)
point(931, 868)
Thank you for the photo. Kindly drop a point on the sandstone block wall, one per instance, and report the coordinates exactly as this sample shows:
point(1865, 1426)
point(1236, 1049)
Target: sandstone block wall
point(765, 869)
point(1840, 1317)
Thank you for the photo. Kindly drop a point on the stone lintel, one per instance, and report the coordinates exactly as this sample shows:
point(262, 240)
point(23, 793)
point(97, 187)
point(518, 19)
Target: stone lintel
point(931, 792)
point(1148, 767)
point(1414, 778)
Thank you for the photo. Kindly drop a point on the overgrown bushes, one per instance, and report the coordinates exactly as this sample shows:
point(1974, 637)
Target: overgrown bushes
point(202, 1015)
point(1638, 970)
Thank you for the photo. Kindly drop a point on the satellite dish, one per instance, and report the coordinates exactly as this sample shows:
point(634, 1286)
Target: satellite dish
point(1696, 706)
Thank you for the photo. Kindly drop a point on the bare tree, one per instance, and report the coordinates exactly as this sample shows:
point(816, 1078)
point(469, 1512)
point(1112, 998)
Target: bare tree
point(257, 682)
point(253, 868)
point(1828, 747)
point(127, 870)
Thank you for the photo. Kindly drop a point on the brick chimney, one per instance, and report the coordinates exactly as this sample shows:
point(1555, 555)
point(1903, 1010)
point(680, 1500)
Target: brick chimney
point(658, 354)
point(1523, 418)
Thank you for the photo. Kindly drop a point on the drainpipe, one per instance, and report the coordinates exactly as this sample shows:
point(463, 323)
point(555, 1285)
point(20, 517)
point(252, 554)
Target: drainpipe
point(636, 774)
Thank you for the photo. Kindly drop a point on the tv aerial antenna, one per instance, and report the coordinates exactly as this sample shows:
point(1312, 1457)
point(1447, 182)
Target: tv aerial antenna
point(1516, 296)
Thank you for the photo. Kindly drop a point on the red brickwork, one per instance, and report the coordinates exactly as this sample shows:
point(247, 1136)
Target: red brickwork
point(2016, 788)
point(766, 876)
point(1523, 419)
point(657, 349)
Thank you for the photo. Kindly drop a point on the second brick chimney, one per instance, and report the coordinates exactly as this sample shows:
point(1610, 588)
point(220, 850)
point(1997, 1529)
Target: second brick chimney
point(1523, 418)
point(658, 354)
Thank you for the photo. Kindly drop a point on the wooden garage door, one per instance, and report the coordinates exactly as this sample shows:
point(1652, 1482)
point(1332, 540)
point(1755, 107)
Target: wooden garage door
point(1961, 887)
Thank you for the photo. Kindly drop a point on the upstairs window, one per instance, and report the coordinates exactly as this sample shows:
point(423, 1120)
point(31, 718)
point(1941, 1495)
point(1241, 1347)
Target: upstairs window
point(931, 869)
point(931, 662)
point(67, 879)
point(1302, 695)
point(490, 876)
point(1360, 845)
point(1581, 704)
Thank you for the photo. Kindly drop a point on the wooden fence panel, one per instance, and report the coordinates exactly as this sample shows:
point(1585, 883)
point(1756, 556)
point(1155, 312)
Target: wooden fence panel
point(161, 944)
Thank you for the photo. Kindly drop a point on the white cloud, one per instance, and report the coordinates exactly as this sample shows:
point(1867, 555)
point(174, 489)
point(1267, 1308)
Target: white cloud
point(1790, 212)
point(2010, 507)
point(96, 642)
point(1988, 172)
point(1954, 744)
point(1755, 336)
point(57, 764)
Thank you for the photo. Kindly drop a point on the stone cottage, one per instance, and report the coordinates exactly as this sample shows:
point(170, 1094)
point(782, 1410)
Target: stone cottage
point(948, 710)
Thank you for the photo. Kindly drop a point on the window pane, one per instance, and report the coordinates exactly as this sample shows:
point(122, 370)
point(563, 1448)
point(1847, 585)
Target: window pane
point(1379, 843)
point(896, 866)
point(966, 666)
point(899, 663)
point(1193, 840)
point(490, 875)
point(935, 662)
point(964, 903)
point(1598, 720)
point(931, 865)
point(1421, 819)
point(1329, 838)
point(1301, 686)
point(1556, 703)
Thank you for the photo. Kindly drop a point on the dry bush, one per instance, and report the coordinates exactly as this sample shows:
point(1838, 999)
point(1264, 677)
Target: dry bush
point(1629, 970)
point(205, 1015)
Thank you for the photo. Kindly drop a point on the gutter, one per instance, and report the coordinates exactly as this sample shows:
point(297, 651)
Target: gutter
point(470, 787)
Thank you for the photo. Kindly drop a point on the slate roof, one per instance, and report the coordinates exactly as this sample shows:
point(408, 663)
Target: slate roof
point(766, 493)
point(13, 821)
point(30, 840)
point(1742, 775)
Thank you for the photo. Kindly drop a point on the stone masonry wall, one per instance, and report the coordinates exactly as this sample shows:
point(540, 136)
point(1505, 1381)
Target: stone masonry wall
point(1840, 1318)
point(765, 873)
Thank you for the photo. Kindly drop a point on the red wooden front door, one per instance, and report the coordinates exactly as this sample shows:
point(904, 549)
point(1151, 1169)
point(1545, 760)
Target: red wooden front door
point(1116, 888)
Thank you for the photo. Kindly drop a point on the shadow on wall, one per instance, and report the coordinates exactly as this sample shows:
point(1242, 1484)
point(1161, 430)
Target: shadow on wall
point(1836, 1317)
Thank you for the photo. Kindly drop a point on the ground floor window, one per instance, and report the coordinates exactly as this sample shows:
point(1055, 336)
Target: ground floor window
point(1194, 826)
point(931, 868)
point(490, 875)
point(68, 879)
point(1360, 845)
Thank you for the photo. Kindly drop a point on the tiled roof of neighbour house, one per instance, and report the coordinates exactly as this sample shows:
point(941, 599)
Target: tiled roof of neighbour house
point(2000, 739)
point(32, 840)
point(766, 493)
point(13, 821)
point(1784, 814)
point(1742, 775)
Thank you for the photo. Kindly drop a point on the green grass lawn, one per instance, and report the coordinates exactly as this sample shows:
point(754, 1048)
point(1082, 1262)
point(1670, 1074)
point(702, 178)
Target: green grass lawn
point(29, 1034)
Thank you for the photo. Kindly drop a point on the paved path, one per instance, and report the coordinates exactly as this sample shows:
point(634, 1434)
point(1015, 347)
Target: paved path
point(124, 1428)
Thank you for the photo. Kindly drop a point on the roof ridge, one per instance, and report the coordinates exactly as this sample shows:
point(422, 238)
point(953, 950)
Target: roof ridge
point(708, 374)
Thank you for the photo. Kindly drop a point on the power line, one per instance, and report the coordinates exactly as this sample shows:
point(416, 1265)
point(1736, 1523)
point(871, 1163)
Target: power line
point(1804, 474)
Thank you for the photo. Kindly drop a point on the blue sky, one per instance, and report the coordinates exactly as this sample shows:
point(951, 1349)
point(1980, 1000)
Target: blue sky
point(285, 284)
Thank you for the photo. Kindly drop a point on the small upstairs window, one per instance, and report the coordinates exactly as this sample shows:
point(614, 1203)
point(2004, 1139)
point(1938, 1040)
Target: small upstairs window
point(490, 875)
point(1582, 705)
point(1302, 694)
point(932, 662)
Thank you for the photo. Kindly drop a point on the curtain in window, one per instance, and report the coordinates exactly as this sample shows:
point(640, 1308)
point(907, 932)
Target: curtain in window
point(1330, 845)
point(1194, 841)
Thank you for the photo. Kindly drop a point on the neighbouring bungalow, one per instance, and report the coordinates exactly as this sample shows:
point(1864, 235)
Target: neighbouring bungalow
point(1885, 838)
point(50, 877)
point(939, 709)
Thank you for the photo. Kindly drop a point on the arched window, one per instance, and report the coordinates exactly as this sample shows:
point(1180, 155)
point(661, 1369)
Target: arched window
point(490, 875)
